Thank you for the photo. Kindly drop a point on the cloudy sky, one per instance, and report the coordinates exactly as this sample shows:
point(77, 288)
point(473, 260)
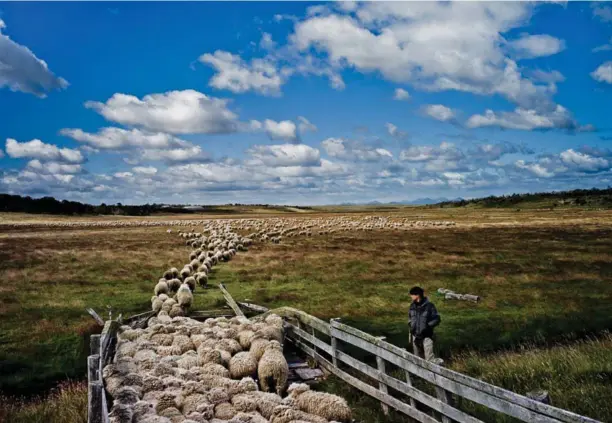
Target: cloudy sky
point(303, 103)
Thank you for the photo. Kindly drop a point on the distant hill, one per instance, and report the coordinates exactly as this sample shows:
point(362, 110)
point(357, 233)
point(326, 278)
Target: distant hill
point(591, 198)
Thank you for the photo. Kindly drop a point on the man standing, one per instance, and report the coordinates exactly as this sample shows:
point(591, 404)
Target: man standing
point(423, 318)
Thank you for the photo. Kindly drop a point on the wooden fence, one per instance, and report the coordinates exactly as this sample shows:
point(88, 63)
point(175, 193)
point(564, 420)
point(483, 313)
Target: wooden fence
point(330, 343)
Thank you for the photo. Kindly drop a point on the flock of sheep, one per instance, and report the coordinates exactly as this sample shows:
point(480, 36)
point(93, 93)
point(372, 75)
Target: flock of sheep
point(180, 370)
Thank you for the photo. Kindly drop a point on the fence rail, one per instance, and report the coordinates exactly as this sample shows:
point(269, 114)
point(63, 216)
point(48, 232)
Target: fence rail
point(420, 405)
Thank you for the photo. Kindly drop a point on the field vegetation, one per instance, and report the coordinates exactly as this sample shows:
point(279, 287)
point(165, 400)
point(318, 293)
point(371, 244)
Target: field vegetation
point(544, 277)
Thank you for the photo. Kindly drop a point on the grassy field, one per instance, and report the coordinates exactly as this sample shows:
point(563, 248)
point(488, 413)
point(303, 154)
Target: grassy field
point(544, 277)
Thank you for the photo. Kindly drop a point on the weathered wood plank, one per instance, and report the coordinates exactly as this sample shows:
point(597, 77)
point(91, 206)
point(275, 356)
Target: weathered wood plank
point(364, 387)
point(380, 362)
point(407, 389)
point(490, 401)
point(462, 383)
point(95, 315)
point(230, 301)
point(95, 396)
point(94, 344)
point(310, 338)
point(93, 368)
point(108, 339)
point(253, 307)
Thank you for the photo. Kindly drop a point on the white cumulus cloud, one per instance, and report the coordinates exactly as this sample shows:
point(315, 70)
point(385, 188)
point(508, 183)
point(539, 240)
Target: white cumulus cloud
point(238, 76)
point(603, 73)
point(285, 155)
point(401, 94)
point(527, 120)
point(353, 151)
point(532, 46)
point(145, 170)
point(36, 149)
point(118, 138)
point(439, 112)
point(21, 70)
point(175, 112)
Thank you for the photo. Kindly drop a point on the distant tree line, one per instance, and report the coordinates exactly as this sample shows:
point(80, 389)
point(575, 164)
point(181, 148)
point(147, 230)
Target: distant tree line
point(579, 197)
point(50, 205)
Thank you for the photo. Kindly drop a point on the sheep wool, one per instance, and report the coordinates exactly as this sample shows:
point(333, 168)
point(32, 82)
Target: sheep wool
point(273, 369)
point(258, 346)
point(328, 406)
point(191, 282)
point(241, 365)
point(184, 296)
point(161, 288)
point(121, 413)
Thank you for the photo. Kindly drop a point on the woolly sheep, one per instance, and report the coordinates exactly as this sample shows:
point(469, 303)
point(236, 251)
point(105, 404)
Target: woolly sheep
point(185, 272)
point(191, 402)
point(241, 365)
point(156, 305)
point(152, 418)
point(168, 274)
point(286, 414)
point(202, 279)
point(184, 296)
point(216, 369)
point(329, 406)
point(173, 414)
point(271, 333)
point(126, 395)
point(191, 282)
point(161, 287)
point(183, 342)
point(245, 337)
point(275, 320)
point(258, 346)
point(210, 356)
point(141, 409)
point(176, 311)
point(121, 413)
point(253, 417)
point(174, 284)
point(225, 411)
point(217, 396)
point(230, 345)
point(273, 369)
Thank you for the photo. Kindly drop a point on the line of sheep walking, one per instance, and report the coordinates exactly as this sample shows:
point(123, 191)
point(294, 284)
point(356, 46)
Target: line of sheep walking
point(180, 370)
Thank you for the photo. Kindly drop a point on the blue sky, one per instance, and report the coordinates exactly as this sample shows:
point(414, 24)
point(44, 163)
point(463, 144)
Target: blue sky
point(303, 103)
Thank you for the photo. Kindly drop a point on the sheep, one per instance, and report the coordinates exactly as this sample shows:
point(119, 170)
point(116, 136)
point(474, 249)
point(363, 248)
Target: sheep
point(191, 402)
point(202, 279)
point(191, 282)
point(258, 346)
point(183, 342)
point(329, 406)
point(216, 370)
point(273, 369)
point(185, 272)
point(286, 414)
point(121, 413)
point(272, 333)
point(242, 364)
point(225, 411)
point(217, 396)
point(174, 284)
point(248, 418)
point(176, 311)
point(275, 320)
point(173, 414)
point(195, 263)
point(168, 274)
point(156, 304)
point(230, 345)
point(161, 287)
point(126, 395)
point(210, 356)
point(244, 338)
point(184, 296)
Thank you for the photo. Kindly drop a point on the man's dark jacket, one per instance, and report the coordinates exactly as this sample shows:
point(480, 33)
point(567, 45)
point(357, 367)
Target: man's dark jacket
point(423, 318)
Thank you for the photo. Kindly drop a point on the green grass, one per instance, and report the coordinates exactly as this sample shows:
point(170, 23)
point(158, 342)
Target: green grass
point(544, 278)
point(578, 377)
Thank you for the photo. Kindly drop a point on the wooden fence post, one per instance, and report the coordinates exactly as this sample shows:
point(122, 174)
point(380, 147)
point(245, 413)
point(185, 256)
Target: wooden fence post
point(446, 397)
point(380, 362)
point(409, 383)
point(334, 344)
point(94, 344)
point(94, 401)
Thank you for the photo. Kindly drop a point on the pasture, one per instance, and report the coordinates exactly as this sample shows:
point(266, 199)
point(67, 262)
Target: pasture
point(544, 277)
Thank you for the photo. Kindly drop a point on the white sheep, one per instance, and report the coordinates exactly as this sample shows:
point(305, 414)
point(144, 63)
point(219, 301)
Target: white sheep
point(243, 364)
point(328, 406)
point(184, 296)
point(272, 369)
